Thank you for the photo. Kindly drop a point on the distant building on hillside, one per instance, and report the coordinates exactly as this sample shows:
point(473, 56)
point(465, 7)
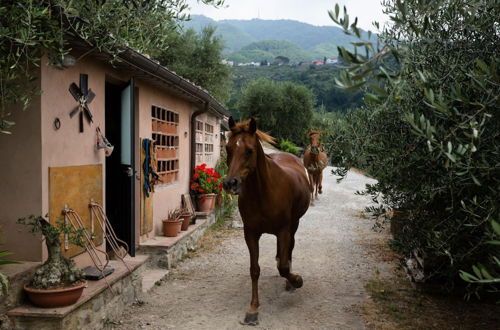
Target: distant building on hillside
point(319, 62)
point(331, 61)
point(249, 64)
point(227, 62)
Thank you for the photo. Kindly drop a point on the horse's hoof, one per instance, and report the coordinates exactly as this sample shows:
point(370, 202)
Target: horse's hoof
point(251, 319)
point(320, 191)
point(289, 286)
point(297, 282)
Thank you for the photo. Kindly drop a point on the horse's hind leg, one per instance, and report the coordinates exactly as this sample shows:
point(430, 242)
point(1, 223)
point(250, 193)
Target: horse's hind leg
point(311, 187)
point(288, 286)
point(252, 315)
point(320, 180)
point(286, 243)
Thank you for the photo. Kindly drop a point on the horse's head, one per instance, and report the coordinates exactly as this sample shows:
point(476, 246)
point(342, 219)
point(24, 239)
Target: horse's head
point(242, 148)
point(314, 141)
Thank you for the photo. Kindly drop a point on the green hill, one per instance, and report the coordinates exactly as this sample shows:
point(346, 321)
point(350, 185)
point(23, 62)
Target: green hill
point(305, 35)
point(234, 38)
point(268, 50)
point(239, 33)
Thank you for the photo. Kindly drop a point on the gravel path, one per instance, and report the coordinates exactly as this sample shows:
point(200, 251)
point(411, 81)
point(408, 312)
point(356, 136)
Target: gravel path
point(212, 291)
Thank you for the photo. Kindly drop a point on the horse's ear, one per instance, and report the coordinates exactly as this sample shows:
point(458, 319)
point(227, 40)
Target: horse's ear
point(231, 123)
point(252, 126)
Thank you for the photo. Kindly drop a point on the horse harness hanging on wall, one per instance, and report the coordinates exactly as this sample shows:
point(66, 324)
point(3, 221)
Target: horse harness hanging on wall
point(83, 95)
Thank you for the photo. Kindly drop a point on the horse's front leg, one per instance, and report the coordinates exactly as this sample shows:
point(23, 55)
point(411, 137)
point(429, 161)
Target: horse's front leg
point(252, 315)
point(286, 243)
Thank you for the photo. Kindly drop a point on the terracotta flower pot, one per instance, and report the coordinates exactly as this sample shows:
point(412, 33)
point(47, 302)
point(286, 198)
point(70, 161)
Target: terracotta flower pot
point(205, 202)
point(55, 297)
point(186, 220)
point(171, 227)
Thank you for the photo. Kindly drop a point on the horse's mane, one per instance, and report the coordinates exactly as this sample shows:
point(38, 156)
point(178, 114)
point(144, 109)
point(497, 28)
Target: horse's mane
point(244, 126)
point(312, 132)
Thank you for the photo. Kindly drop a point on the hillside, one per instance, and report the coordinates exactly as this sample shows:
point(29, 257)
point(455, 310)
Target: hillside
point(305, 35)
point(316, 41)
point(319, 79)
point(268, 50)
point(234, 38)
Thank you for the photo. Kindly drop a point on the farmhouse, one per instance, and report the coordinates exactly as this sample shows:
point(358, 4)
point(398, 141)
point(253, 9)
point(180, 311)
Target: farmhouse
point(56, 156)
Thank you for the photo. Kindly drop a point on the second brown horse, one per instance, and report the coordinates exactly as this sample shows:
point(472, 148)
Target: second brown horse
point(315, 160)
point(273, 195)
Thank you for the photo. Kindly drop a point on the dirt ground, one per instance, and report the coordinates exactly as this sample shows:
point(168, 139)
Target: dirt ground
point(351, 280)
point(212, 290)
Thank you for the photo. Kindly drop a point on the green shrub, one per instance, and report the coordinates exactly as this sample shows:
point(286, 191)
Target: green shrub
point(430, 130)
point(283, 108)
point(289, 146)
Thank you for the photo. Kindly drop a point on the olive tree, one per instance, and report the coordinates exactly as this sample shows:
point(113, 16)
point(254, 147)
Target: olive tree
point(429, 132)
point(283, 108)
point(29, 29)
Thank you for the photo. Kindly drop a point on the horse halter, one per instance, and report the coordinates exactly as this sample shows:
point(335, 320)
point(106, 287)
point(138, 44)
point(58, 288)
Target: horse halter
point(315, 150)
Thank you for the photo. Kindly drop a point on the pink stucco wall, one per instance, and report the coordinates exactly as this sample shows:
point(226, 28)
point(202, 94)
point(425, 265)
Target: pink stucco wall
point(167, 197)
point(68, 146)
point(35, 146)
point(20, 181)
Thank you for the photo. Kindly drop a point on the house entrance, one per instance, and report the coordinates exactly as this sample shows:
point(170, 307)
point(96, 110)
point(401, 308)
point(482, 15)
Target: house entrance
point(120, 176)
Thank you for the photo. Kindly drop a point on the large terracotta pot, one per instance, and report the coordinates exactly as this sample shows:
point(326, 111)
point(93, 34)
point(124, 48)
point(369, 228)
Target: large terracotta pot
point(186, 220)
point(205, 202)
point(55, 297)
point(171, 227)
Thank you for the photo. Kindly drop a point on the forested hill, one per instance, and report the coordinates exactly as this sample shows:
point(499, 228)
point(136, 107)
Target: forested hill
point(305, 35)
point(319, 79)
point(316, 41)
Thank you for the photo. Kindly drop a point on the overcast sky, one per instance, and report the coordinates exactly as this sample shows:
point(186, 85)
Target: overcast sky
point(309, 11)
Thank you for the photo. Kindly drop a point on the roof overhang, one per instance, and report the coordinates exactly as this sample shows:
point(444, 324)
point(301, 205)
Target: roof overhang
point(152, 72)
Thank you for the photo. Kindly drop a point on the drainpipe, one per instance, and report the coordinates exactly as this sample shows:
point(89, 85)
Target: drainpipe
point(193, 134)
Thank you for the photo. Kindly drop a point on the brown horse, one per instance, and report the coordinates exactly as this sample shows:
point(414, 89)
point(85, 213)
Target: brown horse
point(273, 194)
point(315, 160)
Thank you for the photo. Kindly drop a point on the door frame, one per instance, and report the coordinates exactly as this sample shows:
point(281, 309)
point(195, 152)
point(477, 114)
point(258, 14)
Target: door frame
point(129, 231)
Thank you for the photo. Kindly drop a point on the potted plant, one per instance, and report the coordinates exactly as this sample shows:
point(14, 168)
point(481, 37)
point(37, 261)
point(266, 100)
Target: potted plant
point(205, 185)
point(57, 282)
point(172, 224)
point(185, 215)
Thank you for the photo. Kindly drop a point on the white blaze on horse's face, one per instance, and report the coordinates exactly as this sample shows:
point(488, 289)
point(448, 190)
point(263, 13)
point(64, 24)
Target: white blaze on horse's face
point(241, 160)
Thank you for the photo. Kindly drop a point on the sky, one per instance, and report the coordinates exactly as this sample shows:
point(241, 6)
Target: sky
point(309, 11)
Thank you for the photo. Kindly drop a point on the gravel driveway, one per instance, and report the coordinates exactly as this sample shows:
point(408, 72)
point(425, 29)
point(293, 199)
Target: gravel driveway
point(212, 291)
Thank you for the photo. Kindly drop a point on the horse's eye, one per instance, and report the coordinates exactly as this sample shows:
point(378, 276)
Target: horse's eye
point(249, 152)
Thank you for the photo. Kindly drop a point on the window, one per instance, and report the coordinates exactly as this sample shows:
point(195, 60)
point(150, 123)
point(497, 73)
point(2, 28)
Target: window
point(164, 132)
point(204, 142)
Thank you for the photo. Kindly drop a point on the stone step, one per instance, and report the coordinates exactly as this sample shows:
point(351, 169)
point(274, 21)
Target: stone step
point(18, 274)
point(96, 305)
point(166, 252)
point(151, 277)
